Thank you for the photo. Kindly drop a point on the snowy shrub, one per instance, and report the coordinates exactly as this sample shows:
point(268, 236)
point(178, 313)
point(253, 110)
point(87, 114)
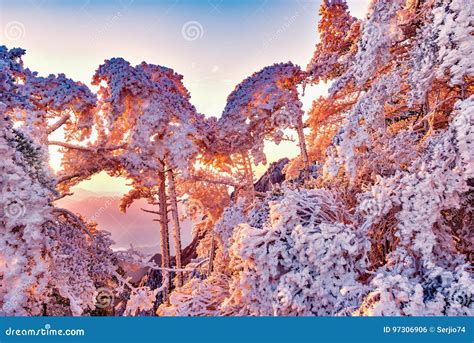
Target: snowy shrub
point(301, 262)
point(198, 297)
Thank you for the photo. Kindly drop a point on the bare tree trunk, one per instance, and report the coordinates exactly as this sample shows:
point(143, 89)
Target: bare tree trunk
point(212, 254)
point(302, 143)
point(164, 234)
point(176, 226)
point(249, 176)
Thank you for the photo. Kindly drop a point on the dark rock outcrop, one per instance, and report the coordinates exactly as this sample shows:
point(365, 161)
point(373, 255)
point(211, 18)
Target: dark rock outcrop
point(274, 175)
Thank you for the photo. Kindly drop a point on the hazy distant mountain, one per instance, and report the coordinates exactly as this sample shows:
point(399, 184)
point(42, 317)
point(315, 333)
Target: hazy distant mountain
point(133, 227)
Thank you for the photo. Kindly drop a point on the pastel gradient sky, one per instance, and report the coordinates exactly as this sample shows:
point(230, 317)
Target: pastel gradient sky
point(232, 40)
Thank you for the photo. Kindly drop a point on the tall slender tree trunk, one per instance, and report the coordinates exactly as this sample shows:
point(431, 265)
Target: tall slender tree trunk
point(249, 175)
point(164, 234)
point(212, 254)
point(302, 144)
point(176, 226)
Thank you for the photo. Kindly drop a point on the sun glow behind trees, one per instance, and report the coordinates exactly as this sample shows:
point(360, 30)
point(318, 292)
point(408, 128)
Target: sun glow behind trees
point(77, 50)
